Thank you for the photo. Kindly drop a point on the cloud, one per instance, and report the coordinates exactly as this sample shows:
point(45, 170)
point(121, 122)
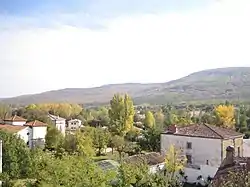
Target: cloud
point(142, 47)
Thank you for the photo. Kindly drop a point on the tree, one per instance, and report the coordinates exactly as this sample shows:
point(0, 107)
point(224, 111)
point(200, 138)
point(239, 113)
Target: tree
point(5, 111)
point(151, 140)
point(17, 161)
point(225, 115)
point(121, 114)
point(84, 144)
point(149, 120)
point(159, 119)
point(100, 139)
point(118, 143)
point(53, 138)
point(174, 161)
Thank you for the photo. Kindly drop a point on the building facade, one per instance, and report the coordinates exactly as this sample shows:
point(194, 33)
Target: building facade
point(203, 145)
point(74, 124)
point(59, 122)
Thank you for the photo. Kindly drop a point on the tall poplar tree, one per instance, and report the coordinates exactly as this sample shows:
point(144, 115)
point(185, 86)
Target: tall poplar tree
point(121, 114)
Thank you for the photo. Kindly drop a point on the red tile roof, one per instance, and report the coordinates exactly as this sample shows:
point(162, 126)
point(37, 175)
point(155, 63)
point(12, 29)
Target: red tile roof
point(11, 128)
point(205, 131)
point(36, 123)
point(15, 118)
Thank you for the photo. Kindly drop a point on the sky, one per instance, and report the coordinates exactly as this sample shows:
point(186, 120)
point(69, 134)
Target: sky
point(51, 44)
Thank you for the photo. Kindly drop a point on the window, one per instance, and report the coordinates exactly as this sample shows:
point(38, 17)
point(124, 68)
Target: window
point(207, 162)
point(189, 145)
point(238, 151)
point(189, 159)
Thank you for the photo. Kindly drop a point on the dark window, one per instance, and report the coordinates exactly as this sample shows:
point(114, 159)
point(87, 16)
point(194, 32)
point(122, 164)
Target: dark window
point(238, 151)
point(189, 159)
point(189, 145)
point(28, 133)
point(207, 162)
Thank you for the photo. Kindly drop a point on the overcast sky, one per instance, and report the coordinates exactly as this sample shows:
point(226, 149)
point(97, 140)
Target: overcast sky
point(51, 44)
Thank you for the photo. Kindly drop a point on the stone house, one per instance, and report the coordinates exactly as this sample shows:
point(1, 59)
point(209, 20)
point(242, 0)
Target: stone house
point(203, 145)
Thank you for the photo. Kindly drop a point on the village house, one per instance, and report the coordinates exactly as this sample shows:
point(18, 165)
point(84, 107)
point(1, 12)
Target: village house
point(59, 122)
point(203, 145)
point(233, 169)
point(33, 133)
point(74, 124)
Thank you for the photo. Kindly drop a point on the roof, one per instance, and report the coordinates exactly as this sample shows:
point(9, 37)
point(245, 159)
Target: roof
point(53, 117)
point(206, 131)
point(16, 119)
point(151, 159)
point(241, 164)
point(108, 164)
point(11, 128)
point(73, 120)
point(36, 123)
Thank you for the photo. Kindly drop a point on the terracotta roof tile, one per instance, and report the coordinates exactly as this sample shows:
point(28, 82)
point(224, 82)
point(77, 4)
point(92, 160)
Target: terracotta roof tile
point(15, 118)
point(36, 123)
point(11, 128)
point(205, 131)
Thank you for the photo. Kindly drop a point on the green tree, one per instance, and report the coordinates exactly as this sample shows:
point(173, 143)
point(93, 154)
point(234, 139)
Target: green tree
point(149, 120)
point(17, 161)
point(118, 143)
point(53, 138)
point(84, 144)
point(100, 139)
point(151, 140)
point(121, 114)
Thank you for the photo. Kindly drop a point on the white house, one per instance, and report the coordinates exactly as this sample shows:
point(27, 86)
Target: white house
point(203, 145)
point(33, 133)
point(59, 122)
point(37, 132)
point(15, 120)
point(74, 124)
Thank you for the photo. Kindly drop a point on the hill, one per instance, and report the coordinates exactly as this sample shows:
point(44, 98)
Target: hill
point(207, 85)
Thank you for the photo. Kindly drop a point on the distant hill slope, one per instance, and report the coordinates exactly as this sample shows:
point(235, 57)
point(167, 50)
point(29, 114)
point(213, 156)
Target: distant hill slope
point(215, 84)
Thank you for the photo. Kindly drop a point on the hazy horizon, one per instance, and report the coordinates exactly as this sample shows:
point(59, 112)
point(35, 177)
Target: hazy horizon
point(50, 45)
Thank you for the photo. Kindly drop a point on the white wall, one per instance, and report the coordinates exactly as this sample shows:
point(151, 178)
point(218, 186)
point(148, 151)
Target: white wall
point(23, 134)
point(20, 123)
point(61, 125)
point(39, 132)
point(203, 149)
point(246, 147)
point(204, 171)
point(74, 124)
point(155, 168)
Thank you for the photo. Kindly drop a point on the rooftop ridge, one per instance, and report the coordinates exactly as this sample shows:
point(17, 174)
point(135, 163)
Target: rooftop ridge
point(213, 130)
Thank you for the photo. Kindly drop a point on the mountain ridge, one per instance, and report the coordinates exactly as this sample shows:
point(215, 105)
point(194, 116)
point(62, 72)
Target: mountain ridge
point(213, 84)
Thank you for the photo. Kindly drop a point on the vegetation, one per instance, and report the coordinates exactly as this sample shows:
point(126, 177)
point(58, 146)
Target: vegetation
point(71, 160)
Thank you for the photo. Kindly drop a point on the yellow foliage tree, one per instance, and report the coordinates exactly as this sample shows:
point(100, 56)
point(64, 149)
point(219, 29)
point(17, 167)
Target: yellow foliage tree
point(225, 115)
point(174, 161)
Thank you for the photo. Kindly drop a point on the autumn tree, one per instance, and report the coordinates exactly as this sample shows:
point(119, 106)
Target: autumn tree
point(159, 119)
point(121, 114)
point(174, 162)
point(118, 143)
point(149, 120)
point(225, 115)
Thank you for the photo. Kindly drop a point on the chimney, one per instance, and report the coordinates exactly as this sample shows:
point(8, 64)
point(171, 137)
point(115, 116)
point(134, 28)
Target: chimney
point(229, 160)
point(172, 129)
